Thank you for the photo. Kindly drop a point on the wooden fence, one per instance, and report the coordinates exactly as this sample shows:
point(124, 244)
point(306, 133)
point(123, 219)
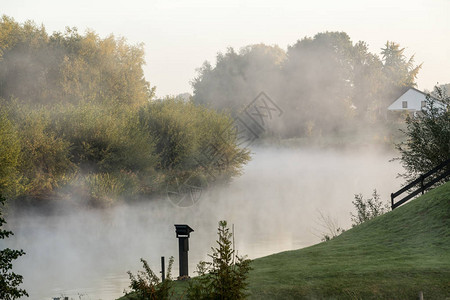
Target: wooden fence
point(436, 174)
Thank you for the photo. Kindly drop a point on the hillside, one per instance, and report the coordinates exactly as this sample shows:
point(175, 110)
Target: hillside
point(393, 256)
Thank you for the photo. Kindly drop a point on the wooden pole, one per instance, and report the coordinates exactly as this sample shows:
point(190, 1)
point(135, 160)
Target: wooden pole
point(163, 268)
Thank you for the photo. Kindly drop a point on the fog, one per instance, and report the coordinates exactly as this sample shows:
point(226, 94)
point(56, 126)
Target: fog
point(326, 85)
point(274, 206)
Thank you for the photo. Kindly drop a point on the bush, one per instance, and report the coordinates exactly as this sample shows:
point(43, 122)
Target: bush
point(147, 285)
point(367, 209)
point(329, 227)
point(9, 281)
point(192, 138)
point(128, 152)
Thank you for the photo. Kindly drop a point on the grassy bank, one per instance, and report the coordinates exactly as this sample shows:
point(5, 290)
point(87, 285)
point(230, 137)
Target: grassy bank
point(394, 256)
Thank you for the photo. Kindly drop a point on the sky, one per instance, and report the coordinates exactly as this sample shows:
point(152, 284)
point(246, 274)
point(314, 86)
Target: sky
point(179, 35)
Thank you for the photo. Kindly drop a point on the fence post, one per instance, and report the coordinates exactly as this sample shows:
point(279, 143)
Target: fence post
point(392, 201)
point(421, 184)
point(163, 272)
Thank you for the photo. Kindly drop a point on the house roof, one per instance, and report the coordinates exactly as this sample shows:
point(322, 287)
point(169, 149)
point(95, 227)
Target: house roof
point(413, 88)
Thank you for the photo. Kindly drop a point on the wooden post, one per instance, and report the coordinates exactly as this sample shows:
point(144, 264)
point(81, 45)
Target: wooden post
point(421, 184)
point(163, 272)
point(392, 201)
point(420, 295)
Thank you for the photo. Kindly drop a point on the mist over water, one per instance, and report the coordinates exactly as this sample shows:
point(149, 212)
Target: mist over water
point(274, 206)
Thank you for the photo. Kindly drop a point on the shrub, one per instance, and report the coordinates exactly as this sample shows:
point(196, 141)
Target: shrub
point(194, 139)
point(147, 285)
point(9, 153)
point(329, 227)
point(367, 209)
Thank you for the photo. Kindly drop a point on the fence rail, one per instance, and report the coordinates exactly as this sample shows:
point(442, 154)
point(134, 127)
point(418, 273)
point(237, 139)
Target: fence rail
point(423, 186)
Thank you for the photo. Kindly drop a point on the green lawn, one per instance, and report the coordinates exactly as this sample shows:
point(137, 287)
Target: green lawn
point(394, 256)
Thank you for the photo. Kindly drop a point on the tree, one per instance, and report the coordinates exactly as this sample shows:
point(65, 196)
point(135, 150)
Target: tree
point(427, 136)
point(69, 67)
point(317, 84)
point(238, 77)
point(44, 157)
point(322, 83)
point(9, 281)
point(368, 83)
point(399, 69)
point(226, 276)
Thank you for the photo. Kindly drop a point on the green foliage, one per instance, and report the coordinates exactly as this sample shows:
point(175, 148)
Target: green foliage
point(318, 86)
point(427, 136)
point(173, 124)
point(104, 153)
point(367, 209)
point(226, 276)
point(69, 67)
point(76, 117)
point(325, 84)
point(103, 140)
point(238, 77)
point(44, 157)
point(9, 281)
point(9, 153)
point(70, 98)
point(147, 285)
point(185, 133)
point(399, 70)
point(104, 186)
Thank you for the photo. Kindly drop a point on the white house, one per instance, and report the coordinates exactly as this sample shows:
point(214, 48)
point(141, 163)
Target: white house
point(412, 100)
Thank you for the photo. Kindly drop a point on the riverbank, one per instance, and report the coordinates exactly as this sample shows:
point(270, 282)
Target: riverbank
point(395, 256)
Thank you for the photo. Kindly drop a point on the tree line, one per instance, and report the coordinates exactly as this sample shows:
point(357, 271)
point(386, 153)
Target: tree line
point(78, 117)
point(325, 84)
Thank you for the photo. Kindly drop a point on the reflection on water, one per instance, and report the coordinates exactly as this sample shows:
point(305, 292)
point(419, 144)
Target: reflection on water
point(274, 206)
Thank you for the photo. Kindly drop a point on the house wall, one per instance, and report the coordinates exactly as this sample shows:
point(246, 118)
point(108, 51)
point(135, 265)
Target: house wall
point(414, 99)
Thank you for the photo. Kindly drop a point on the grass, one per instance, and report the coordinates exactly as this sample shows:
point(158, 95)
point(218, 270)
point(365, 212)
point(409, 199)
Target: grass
point(391, 257)
point(394, 256)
